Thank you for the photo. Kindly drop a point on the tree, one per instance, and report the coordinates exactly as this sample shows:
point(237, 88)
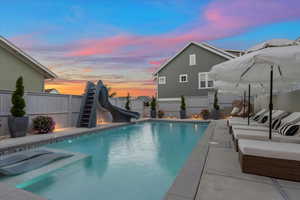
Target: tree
point(110, 94)
point(17, 99)
point(153, 103)
point(182, 106)
point(216, 105)
point(127, 105)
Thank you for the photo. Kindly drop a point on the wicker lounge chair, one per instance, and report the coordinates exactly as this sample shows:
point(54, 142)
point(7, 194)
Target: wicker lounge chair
point(273, 159)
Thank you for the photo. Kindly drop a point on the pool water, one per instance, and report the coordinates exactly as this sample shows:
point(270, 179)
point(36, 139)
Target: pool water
point(135, 162)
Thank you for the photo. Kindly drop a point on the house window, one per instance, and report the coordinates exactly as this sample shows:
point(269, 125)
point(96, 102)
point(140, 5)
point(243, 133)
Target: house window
point(162, 80)
point(204, 81)
point(183, 78)
point(192, 59)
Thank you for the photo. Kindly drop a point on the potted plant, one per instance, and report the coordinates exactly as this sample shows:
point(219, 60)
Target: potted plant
point(204, 114)
point(182, 108)
point(127, 105)
point(153, 108)
point(216, 110)
point(43, 124)
point(161, 114)
point(18, 122)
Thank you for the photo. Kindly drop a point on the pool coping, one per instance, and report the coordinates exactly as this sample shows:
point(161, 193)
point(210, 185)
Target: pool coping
point(186, 183)
point(13, 145)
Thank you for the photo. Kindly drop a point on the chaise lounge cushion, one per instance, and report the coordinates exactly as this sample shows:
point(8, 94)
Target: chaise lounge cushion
point(269, 149)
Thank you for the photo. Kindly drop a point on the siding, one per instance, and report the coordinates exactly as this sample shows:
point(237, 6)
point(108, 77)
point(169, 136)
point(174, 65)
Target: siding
point(180, 65)
point(12, 67)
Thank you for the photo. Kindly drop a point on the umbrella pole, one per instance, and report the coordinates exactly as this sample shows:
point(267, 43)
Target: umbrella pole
point(244, 104)
point(271, 103)
point(249, 104)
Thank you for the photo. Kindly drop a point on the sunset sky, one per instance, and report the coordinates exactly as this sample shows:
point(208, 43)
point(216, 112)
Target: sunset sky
point(122, 42)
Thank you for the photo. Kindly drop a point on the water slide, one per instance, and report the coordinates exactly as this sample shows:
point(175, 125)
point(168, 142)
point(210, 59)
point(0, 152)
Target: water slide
point(118, 114)
point(95, 99)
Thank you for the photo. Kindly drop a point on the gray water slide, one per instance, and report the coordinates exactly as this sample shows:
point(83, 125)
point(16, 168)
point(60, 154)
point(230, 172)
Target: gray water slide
point(118, 114)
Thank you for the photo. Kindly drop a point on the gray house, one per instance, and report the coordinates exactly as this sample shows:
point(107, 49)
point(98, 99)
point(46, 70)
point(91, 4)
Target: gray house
point(186, 73)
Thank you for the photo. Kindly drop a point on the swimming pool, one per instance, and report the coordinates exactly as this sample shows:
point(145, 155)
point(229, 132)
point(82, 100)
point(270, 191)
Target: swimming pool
point(135, 162)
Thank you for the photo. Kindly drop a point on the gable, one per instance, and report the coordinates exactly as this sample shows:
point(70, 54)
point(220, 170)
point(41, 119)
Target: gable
point(25, 58)
point(209, 55)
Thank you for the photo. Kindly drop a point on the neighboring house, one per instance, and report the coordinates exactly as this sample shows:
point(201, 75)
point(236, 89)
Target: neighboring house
point(186, 73)
point(144, 99)
point(52, 91)
point(15, 63)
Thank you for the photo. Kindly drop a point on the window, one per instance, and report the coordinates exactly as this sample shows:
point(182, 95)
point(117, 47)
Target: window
point(192, 59)
point(183, 78)
point(162, 80)
point(204, 81)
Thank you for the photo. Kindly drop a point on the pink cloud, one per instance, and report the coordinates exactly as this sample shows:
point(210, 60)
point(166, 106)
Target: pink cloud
point(221, 19)
point(102, 46)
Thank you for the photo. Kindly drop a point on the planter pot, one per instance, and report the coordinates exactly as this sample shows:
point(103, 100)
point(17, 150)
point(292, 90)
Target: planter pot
point(153, 113)
point(215, 114)
point(205, 117)
point(18, 126)
point(182, 114)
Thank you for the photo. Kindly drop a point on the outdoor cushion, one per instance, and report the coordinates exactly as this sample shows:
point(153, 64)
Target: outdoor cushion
point(234, 111)
point(264, 135)
point(269, 149)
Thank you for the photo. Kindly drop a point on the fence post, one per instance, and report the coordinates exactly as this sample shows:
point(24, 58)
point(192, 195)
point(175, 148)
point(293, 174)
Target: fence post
point(70, 110)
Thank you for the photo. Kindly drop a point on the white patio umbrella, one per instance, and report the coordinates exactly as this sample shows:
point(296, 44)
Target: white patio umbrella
point(280, 64)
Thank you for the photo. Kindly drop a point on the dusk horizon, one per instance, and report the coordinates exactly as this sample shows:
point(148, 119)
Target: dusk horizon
point(124, 42)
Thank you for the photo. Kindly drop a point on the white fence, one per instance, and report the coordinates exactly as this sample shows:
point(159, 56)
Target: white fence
point(195, 104)
point(63, 108)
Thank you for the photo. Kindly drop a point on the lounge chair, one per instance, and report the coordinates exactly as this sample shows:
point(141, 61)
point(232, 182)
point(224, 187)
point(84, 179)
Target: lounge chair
point(273, 159)
point(256, 116)
point(256, 119)
point(286, 133)
point(292, 118)
point(15, 164)
point(263, 120)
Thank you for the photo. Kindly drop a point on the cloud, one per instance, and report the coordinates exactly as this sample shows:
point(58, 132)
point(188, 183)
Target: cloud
point(125, 51)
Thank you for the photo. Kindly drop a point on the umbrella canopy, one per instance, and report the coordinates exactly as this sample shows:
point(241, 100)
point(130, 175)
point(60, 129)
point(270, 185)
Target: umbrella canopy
point(251, 67)
point(229, 87)
point(272, 43)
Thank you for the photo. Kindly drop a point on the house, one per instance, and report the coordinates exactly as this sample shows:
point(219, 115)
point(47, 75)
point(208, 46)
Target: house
point(15, 63)
point(186, 73)
point(52, 91)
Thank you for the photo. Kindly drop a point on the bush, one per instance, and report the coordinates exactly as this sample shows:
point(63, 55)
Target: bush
point(204, 113)
point(153, 103)
point(17, 99)
point(182, 106)
point(43, 124)
point(160, 114)
point(127, 105)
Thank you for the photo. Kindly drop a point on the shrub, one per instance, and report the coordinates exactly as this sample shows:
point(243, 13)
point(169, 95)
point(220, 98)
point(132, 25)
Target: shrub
point(127, 105)
point(182, 106)
point(204, 113)
point(160, 114)
point(153, 103)
point(17, 99)
point(43, 124)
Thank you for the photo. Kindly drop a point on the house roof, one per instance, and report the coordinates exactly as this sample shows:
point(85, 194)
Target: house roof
point(26, 58)
point(203, 45)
